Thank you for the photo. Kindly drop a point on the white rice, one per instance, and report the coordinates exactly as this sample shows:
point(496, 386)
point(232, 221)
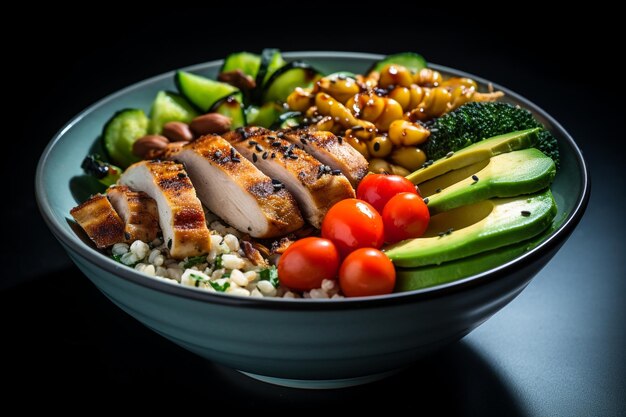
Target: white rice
point(224, 269)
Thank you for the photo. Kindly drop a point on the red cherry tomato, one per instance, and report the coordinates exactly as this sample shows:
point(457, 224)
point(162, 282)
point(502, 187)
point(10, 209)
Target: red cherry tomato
point(405, 216)
point(365, 272)
point(306, 263)
point(353, 224)
point(377, 189)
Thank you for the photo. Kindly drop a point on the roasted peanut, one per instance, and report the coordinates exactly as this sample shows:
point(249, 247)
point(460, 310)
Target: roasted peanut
point(210, 123)
point(177, 132)
point(238, 79)
point(147, 146)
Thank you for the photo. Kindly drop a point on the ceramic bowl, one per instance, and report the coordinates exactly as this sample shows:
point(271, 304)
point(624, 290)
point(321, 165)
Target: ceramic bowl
point(305, 343)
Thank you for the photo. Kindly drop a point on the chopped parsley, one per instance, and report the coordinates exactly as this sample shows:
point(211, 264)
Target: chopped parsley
point(226, 275)
point(195, 260)
point(270, 274)
point(197, 278)
point(117, 258)
point(220, 288)
point(218, 262)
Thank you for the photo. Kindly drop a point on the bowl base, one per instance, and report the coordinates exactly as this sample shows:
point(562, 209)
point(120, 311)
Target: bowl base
point(321, 383)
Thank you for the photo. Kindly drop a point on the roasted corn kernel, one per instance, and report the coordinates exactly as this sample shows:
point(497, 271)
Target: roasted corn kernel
point(380, 147)
point(395, 75)
point(405, 133)
point(427, 77)
point(409, 157)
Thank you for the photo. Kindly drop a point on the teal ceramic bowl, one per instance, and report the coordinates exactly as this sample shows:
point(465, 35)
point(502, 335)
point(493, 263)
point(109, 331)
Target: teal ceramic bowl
point(306, 343)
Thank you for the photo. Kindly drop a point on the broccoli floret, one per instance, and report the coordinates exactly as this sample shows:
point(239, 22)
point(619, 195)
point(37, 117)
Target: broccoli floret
point(474, 122)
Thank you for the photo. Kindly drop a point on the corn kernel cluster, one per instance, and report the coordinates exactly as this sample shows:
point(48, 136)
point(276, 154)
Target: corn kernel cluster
point(381, 114)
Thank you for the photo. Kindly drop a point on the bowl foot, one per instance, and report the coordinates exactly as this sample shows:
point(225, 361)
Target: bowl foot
point(321, 383)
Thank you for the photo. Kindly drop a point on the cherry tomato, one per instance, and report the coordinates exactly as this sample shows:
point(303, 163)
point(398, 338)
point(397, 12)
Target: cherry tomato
point(365, 272)
point(405, 216)
point(306, 263)
point(353, 224)
point(377, 189)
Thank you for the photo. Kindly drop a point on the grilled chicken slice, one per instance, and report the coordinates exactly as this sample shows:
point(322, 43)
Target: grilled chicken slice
point(313, 184)
point(180, 212)
point(138, 212)
point(233, 188)
point(100, 221)
point(332, 151)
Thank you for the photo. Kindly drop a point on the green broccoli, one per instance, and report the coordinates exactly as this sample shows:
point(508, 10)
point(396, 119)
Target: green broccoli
point(474, 122)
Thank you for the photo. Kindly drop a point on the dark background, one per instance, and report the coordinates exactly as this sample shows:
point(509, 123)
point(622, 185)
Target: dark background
point(556, 350)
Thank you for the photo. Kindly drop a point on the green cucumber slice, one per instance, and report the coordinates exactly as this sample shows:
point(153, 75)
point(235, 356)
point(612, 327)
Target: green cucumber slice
point(271, 61)
point(411, 60)
point(121, 131)
point(290, 76)
point(264, 116)
point(169, 107)
point(231, 106)
point(245, 61)
point(202, 92)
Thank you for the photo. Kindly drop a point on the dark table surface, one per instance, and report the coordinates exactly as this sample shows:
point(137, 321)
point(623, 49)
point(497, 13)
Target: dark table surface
point(558, 349)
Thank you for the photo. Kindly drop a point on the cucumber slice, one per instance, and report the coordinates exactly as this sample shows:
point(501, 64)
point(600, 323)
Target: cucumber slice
point(411, 60)
point(231, 106)
point(245, 61)
point(265, 116)
point(169, 107)
point(121, 131)
point(271, 61)
point(202, 92)
point(289, 120)
point(290, 76)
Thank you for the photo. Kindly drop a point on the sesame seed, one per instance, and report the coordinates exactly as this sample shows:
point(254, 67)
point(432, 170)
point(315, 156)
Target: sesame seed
point(438, 190)
point(357, 128)
point(449, 231)
point(169, 243)
point(280, 134)
point(254, 157)
point(253, 142)
point(342, 76)
point(441, 234)
point(290, 148)
point(340, 139)
point(218, 154)
point(258, 148)
point(426, 201)
point(525, 213)
point(275, 144)
point(235, 159)
point(276, 182)
point(327, 168)
point(475, 178)
point(264, 155)
point(376, 146)
point(335, 172)
point(273, 155)
point(292, 156)
point(270, 137)
point(303, 140)
point(181, 175)
point(449, 154)
point(232, 152)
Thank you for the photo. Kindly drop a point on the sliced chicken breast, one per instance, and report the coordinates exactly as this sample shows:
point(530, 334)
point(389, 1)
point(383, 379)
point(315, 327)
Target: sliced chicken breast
point(233, 188)
point(100, 221)
point(314, 185)
point(332, 151)
point(180, 212)
point(138, 212)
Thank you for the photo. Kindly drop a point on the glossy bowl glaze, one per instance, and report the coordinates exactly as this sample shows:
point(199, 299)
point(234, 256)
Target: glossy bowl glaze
point(306, 343)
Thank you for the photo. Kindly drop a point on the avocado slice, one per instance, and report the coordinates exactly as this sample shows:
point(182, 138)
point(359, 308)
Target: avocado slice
point(505, 175)
point(476, 152)
point(476, 228)
point(431, 275)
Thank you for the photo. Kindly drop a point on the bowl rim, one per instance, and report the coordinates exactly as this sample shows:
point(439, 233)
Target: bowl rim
point(89, 254)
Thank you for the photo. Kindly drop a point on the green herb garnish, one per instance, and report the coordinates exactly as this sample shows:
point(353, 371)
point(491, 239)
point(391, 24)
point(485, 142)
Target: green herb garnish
point(218, 287)
point(117, 258)
point(218, 262)
point(198, 279)
point(226, 275)
point(195, 260)
point(270, 274)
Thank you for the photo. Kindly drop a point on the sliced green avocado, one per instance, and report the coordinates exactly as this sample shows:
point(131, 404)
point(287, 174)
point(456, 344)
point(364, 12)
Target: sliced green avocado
point(505, 175)
point(431, 275)
point(477, 152)
point(476, 228)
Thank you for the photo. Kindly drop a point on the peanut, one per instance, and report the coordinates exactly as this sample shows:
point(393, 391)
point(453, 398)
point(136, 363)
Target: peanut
point(147, 146)
point(210, 123)
point(177, 132)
